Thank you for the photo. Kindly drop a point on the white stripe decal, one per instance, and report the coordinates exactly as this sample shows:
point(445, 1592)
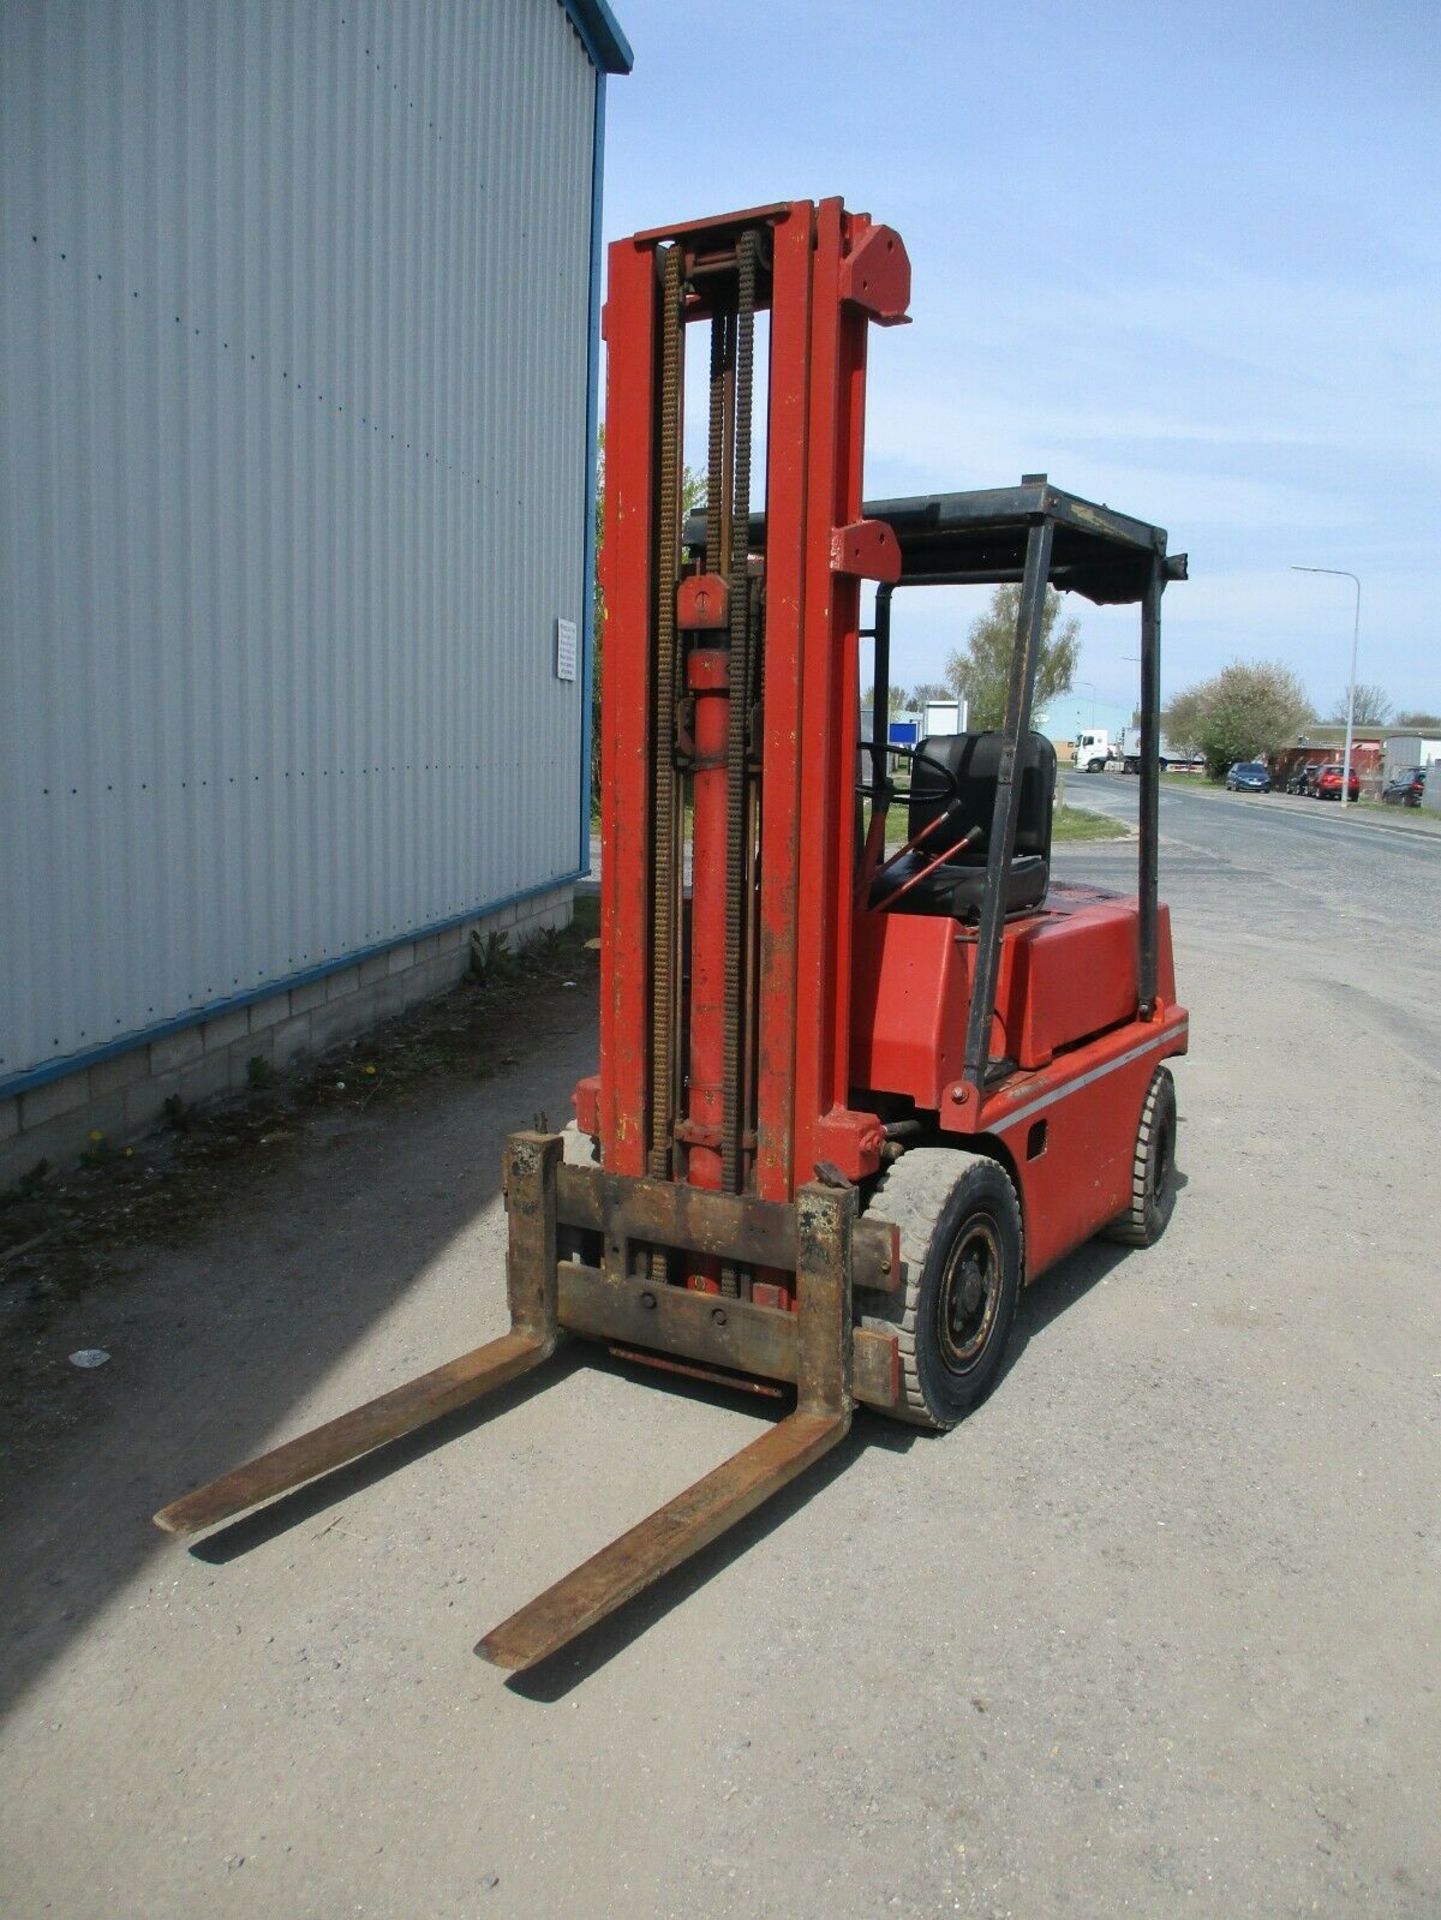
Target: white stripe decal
point(1096, 1073)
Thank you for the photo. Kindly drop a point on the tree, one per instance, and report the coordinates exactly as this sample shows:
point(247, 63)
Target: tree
point(692, 495)
point(929, 690)
point(1422, 722)
point(1245, 713)
point(1373, 709)
point(1181, 721)
point(896, 699)
point(981, 674)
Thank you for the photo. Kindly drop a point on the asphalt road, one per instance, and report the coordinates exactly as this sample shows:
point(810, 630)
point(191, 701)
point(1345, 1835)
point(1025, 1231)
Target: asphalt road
point(1156, 1630)
point(1353, 898)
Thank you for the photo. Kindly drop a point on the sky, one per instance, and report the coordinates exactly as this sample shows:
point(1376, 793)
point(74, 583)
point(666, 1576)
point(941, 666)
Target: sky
point(1183, 259)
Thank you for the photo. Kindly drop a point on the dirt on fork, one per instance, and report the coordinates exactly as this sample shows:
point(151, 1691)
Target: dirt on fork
point(65, 1235)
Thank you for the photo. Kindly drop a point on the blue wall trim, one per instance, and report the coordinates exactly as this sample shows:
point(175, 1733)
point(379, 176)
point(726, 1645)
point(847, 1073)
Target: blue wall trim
point(600, 35)
point(592, 416)
point(212, 1010)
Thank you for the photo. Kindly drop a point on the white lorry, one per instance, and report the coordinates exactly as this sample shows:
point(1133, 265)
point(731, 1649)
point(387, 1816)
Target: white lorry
point(1096, 750)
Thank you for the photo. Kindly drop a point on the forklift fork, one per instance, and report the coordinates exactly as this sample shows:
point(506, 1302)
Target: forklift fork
point(824, 1222)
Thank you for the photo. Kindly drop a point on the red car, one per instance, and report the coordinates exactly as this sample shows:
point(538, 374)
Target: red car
point(1328, 783)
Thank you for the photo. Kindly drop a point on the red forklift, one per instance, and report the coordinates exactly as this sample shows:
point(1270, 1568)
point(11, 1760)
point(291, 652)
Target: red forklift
point(850, 1099)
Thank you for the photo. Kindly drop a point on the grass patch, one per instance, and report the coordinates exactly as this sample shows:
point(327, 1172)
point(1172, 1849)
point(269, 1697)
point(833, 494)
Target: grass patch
point(1067, 823)
point(1078, 823)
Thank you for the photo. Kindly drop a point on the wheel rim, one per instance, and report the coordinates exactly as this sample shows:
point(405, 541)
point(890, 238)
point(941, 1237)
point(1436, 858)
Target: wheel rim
point(968, 1296)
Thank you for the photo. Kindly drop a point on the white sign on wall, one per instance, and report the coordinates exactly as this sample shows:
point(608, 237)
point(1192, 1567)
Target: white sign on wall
point(565, 649)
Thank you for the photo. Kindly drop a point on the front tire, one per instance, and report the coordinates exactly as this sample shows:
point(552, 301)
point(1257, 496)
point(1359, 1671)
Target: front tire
point(962, 1260)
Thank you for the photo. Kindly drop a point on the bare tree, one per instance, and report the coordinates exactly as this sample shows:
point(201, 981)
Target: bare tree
point(929, 690)
point(1373, 708)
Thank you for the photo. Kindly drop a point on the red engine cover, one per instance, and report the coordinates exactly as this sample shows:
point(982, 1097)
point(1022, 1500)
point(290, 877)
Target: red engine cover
point(1067, 973)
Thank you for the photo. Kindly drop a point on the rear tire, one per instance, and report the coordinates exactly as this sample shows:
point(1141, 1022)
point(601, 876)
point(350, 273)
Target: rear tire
point(1153, 1168)
point(962, 1260)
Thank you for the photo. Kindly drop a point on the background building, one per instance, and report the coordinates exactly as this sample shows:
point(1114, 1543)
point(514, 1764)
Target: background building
point(1324, 744)
point(297, 395)
point(1409, 750)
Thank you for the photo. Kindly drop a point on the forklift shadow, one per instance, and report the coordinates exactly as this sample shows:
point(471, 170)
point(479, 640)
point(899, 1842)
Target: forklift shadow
point(1040, 1305)
point(218, 1341)
point(1068, 1282)
point(315, 1497)
point(552, 1679)
point(1058, 1290)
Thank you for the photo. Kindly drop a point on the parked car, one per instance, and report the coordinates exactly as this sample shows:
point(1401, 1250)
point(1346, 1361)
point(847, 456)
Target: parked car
point(1248, 776)
point(1405, 788)
point(1302, 779)
point(1328, 783)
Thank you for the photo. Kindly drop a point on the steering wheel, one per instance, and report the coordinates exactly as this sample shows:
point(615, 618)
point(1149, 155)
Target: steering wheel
point(951, 786)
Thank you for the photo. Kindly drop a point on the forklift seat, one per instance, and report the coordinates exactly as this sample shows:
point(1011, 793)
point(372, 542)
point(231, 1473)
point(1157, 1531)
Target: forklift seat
point(959, 772)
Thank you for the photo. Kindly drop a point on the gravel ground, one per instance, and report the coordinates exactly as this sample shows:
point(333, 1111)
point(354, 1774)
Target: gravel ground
point(1157, 1628)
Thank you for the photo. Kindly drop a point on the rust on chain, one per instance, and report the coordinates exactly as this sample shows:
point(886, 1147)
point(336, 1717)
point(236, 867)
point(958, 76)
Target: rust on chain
point(737, 811)
point(722, 395)
point(665, 959)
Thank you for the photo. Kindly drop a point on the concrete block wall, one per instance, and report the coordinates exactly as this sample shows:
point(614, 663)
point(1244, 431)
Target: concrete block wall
point(124, 1097)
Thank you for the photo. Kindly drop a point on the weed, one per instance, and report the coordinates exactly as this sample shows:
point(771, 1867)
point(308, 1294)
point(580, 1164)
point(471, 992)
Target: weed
point(259, 1072)
point(491, 960)
point(98, 1152)
point(29, 1185)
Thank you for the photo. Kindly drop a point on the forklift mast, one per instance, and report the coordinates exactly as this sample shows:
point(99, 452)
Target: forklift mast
point(725, 1019)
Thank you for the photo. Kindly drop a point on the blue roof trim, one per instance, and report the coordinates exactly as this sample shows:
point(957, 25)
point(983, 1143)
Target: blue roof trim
point(600, 35)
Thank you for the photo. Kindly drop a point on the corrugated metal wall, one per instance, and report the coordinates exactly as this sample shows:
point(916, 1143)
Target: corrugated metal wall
point(293, 348)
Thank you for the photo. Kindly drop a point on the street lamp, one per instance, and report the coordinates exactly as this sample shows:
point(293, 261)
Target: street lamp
point(1340, 573)
point(1092, 685)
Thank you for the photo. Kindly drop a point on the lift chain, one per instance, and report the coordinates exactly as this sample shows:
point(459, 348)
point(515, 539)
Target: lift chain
point(722, 369)
point(736, 810)
point(663, 912)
